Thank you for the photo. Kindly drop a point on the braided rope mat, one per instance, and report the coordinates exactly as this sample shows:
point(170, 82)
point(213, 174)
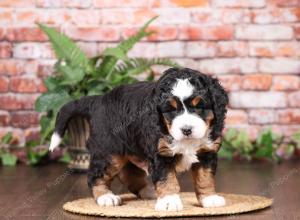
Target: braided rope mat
point(133, 207)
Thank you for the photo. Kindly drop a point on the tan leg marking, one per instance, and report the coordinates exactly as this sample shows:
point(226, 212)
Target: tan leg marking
point(133, 177)
point(204, 181)
point(168, 198)
point(168, 186)
point(102, 185)
point(204, 184)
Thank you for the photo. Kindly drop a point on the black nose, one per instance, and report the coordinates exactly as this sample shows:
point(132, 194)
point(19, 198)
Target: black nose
point(186, 131)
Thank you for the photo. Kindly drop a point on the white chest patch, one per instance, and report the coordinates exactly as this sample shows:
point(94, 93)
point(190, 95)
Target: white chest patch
point(188, 149)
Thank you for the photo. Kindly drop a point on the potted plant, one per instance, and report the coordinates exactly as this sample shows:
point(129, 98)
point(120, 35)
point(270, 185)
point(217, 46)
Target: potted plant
point(76, 75)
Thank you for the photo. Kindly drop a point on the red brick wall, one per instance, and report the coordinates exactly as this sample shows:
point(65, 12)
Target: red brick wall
point(251, 45)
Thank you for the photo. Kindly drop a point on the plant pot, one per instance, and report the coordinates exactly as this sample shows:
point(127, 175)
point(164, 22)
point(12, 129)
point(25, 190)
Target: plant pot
point(78, 133)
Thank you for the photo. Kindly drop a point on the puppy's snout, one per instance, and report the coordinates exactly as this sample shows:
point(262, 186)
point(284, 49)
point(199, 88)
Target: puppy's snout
point(187, 130)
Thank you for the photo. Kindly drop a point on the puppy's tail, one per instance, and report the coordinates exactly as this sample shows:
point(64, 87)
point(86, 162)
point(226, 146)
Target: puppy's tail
point(78, 107)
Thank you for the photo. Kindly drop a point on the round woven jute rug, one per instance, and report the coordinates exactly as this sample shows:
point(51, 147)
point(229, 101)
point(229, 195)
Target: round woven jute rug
point(133, 207)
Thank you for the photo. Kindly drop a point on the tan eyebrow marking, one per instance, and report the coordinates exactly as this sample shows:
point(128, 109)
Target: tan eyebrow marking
point(196, 100)
point(173, 103)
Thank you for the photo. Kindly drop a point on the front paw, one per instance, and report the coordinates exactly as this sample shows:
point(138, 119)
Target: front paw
point(213, 201)
point(109, 199)
point(169, 203)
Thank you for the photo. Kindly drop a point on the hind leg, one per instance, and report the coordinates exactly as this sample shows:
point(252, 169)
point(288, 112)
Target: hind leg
point(135, 179)
point(100, 175)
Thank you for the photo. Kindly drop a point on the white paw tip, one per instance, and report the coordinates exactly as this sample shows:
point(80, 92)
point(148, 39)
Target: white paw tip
point(169, 203)
point(109, 199)
point(147, 192)
point(213, 201)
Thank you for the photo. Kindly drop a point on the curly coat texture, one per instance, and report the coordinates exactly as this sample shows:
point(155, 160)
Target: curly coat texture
point(128, 121)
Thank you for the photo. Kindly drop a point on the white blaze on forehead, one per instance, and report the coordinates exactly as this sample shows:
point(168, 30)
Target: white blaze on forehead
point(183, 89)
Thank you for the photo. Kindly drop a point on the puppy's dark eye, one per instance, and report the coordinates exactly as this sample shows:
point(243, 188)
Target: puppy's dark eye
point(196, 103)
point(167, 107)
point(200, 111)
point(170, 105)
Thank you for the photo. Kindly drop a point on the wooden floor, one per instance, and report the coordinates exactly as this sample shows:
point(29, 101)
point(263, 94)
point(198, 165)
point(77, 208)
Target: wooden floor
point(39, 192)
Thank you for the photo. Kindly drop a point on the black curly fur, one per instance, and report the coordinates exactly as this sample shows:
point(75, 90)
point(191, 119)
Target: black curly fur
point(128, 120)
point(207, 160)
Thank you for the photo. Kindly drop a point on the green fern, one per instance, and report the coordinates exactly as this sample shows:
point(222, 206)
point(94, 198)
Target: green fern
point(64, 48)
point(136, 66)
point(126, 45)
point(120, 52)
point(77, 76)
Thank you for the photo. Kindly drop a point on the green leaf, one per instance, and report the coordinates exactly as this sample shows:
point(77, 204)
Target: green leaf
point(31, 143)
point(230, 134)
point(31, 158)
point(262, 135)
point(64, 48)
point(7, 138)
point(290, 150)
point(91, 68)
point(244, 141)
point(276, 137)
point(52, 100)
point(240, 142)
point(97, 89)
point(225, 153)
point(47, 126)
point(45, 123)
point(108, 64)
point(296, 138)
point(51, 83)
point(265, 145)
point(137, 66)
point(126, 45)
point(66, 158)
point(9, 159)
point(117, 79)
point(34, 157)
point(71, 75)
point(106, 67)
point(115, 52)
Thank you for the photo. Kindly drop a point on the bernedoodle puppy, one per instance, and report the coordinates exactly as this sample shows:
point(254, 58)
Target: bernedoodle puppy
point(158, 128)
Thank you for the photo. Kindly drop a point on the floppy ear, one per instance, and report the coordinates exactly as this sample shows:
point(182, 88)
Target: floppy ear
point(219, 99)
point(158, 96)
